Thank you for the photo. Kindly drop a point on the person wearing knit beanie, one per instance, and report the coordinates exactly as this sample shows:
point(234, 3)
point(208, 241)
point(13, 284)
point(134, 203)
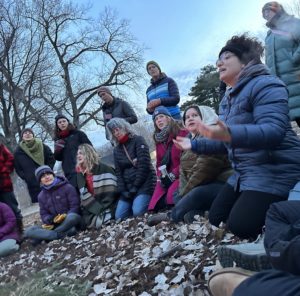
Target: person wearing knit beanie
point(42, 170)
point(105, 94)
point(163, 91)
point(160, 110)
point(28, 130)
point(282, 52)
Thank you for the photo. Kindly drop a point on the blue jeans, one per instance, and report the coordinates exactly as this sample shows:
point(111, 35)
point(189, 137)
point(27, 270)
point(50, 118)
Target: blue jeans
point(8, 246)
point(38, 233)
point(199, 199)
point(136, 207)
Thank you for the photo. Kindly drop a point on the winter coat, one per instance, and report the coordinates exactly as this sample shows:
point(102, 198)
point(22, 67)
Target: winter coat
point(8, 224)
point(68, 154)
point(283, 56)
point(264, 151)
point(25, 167)
point(142, 174)
point(165, 89)
point(196, 170)
point(60, 199)
point(6, 168)
point(105, 192)
point(161, 150)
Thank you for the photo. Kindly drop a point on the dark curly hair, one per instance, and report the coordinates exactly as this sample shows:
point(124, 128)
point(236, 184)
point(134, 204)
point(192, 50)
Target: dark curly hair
point(246, 48)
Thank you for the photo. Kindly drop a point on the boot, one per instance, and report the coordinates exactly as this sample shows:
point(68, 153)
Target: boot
point(157, 218)
point(224, 281)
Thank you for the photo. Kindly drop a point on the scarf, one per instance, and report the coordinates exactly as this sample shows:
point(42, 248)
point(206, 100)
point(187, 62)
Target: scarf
point(124, 139)
point(34, 149)
point(88, 178)
point(163, 135)
point(64, 134)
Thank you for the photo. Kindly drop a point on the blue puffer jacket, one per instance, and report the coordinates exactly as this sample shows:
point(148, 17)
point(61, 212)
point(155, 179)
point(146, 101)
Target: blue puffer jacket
point(283, 56)
point(165, 89)
point(264, 151)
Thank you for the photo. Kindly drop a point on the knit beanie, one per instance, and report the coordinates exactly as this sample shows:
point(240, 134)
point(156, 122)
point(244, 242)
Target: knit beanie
point(160, 110)
point(273, 6)
point(59, 116)
point(40, 171)
point(27, 129)
point(104, 89)
point(153, 63)
point(237, 49)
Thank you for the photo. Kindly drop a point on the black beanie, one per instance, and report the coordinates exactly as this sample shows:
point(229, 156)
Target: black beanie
point(27, 129)
point(238, 50)
point(59, 116)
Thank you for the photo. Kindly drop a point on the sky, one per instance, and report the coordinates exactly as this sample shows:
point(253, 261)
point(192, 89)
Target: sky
point(183, 36)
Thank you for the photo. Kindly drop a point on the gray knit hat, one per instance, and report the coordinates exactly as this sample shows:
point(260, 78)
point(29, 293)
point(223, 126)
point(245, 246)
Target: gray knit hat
point(40, 171)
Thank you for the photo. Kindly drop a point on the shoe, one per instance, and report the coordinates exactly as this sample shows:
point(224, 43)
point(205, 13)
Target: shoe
point(250, 256)
point(157, 218)
point(189, 216)
point(223, 282)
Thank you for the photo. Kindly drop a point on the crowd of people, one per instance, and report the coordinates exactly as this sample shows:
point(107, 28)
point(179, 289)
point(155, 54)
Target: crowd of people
point(239, 165)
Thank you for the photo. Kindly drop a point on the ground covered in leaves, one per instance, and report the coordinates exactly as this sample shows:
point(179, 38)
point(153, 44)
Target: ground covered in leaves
point(125, 258)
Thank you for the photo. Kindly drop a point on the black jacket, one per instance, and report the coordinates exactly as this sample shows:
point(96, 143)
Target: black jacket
point(120, 109)
point(142, 175)
point(67, 155)
point(25, 167)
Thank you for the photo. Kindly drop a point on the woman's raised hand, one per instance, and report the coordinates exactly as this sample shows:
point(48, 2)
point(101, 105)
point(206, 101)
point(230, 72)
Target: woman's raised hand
point(218, 131)
point(183, 143)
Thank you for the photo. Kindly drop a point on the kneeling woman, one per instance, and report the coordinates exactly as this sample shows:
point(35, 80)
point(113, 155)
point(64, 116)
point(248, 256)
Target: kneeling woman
point(97, 184)
point(201, 176)
point(167, 158)
point(135, 173)
point(59, 207)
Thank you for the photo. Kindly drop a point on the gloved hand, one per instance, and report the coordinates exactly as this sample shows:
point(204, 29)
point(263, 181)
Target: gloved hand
point(125, 195)
point(59, 218)
point(133, 191)
point(59, 145)
point(48, 226)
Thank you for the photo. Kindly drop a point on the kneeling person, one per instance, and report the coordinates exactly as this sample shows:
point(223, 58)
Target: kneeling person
point(59, 207)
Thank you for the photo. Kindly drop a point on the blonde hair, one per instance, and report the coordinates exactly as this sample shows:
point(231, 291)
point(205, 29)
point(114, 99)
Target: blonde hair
point(91, 157)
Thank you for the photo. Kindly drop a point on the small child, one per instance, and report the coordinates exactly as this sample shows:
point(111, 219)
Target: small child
point(59, 207)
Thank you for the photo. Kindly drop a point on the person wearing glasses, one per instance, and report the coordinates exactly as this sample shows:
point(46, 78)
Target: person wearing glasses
point(255, 131)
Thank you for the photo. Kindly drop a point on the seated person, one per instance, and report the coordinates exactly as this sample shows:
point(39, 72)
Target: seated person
point(134, 170)
point(9, 235)
point(201, 176)
point(167, 158)
point(59, 207)
point(97, 184)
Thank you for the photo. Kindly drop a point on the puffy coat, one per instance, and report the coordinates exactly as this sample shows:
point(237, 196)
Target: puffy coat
point(62, 198)
point(161, 150)
point(264, 150)
point(25, 167)
point(141, 176)
point(67, 155)
point(8, 224)
point(165, 89)
point(283, 56)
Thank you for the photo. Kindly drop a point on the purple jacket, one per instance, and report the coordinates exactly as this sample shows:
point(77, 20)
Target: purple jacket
point(8, 225)
point(62, 198)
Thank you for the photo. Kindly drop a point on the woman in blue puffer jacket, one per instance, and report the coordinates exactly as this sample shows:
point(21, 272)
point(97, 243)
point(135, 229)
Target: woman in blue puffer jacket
point(255, 131)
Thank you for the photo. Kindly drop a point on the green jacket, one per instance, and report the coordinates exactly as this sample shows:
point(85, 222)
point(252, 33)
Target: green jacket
point(283, 56)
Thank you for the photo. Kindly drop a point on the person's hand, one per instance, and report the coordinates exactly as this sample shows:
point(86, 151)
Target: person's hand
point(217, 132)
point(59, 145)
point(59, 218)
point(182, 143)
point(153, 104)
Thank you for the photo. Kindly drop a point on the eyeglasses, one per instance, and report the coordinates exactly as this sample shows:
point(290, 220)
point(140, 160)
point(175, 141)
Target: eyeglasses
point(224, 57)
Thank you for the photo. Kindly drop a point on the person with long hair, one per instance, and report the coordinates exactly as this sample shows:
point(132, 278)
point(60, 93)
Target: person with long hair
point(135, 173)
point(167, 158)
point(28, 156)
point(254, 129)
point(67, 140)
point(97, 184)
point(201, 176)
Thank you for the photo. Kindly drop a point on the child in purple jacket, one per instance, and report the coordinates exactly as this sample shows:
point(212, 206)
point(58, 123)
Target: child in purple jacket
point(59, 207)
point(9, 235)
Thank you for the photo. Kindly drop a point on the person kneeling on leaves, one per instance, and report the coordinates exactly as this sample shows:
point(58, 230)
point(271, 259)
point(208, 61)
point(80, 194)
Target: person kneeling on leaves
point(59, 208)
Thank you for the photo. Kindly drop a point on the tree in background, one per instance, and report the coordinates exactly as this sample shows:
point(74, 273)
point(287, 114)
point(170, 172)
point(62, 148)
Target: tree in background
point(206, 89)
point(53, 57)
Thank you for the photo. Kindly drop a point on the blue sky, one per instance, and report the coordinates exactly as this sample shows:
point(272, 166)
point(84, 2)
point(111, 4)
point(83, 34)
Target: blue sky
point(183, 36)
